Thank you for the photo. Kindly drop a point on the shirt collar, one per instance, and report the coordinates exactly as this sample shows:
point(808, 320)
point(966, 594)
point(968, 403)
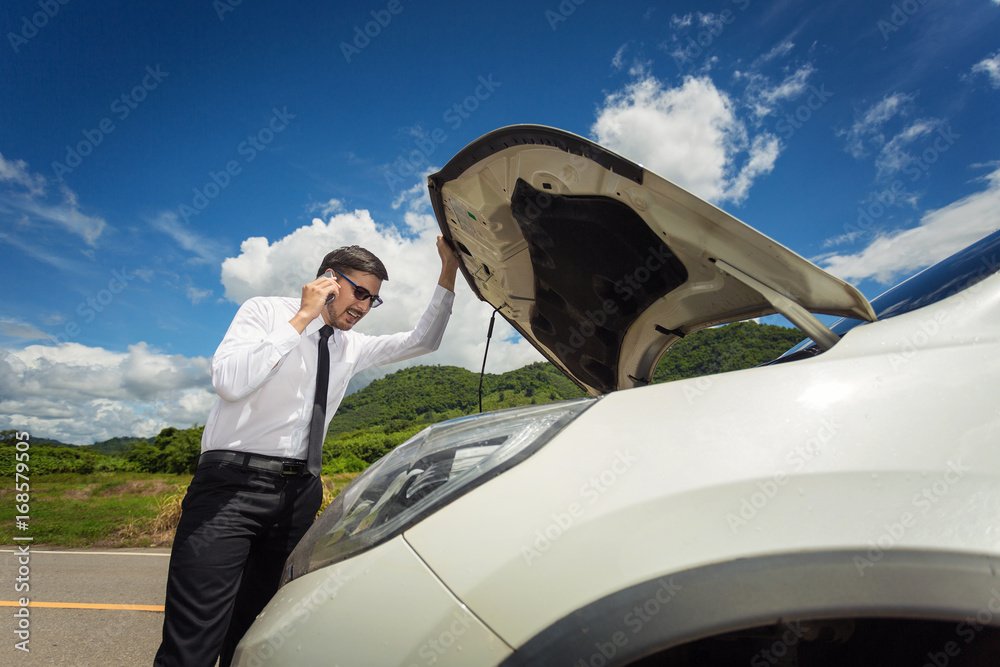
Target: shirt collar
point(313, 327)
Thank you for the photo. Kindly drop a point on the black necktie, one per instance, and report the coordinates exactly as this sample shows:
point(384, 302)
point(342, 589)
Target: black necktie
point(316, 431)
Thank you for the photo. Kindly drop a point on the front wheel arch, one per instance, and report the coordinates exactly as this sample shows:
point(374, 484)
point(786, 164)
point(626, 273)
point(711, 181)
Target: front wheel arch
point(724, 598)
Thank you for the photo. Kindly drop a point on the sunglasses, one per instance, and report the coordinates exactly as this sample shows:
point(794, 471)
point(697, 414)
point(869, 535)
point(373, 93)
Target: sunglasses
point(360, 293)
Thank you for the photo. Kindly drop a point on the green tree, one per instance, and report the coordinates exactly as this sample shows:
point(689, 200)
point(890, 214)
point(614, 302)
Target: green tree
point(145, 457)
point(173, 450)
point(180, 448)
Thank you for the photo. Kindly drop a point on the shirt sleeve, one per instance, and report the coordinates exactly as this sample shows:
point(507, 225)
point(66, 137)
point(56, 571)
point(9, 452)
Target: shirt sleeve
point(425, 337)
point(256, 342)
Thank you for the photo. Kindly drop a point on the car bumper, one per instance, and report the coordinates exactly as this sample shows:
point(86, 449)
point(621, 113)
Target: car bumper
point(325, 617)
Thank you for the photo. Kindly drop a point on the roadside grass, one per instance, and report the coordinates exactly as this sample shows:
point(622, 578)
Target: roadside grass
point(91, 510)
point(108, 510)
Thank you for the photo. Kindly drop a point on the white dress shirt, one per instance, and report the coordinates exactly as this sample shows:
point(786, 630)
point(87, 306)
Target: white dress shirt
point(264, 372)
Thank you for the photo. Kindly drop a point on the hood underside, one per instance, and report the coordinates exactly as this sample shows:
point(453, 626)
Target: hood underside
point(603, 265)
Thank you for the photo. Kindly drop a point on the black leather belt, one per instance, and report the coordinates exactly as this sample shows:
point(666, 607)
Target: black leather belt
point(288, 467)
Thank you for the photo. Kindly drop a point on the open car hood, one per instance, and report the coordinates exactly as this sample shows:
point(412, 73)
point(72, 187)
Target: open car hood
point(603, 265)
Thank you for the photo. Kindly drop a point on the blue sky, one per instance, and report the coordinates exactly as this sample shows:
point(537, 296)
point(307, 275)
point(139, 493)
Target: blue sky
point(162, 162)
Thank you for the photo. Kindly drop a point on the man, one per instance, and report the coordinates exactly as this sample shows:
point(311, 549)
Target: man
point(257, 487)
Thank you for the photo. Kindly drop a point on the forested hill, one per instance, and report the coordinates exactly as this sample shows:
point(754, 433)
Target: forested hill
point(429, 394)
point(116, 446)
point(728, 348)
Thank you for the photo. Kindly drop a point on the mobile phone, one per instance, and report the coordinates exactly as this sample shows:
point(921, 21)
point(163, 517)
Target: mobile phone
point(329, 274)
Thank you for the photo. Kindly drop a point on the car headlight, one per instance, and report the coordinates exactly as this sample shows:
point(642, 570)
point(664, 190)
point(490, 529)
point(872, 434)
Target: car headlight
point(423, 474)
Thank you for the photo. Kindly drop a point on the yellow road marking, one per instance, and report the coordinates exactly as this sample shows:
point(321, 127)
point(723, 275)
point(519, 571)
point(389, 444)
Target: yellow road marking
point(67, 552)
point(85, 605)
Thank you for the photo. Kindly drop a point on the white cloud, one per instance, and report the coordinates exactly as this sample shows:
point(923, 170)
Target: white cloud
point(144, 274)
point(895, 155)
point(414, 197)
point(885, 129)
point(205, 249)
point(715, 23)
point(690, 40)
point(417, 216)
point(39, 253)
point(780, 50)
point(689, 134)
point(16, 171)
point(763, 154)
point(26, 194)
point(793, 85)
point(327, 208)
point(149, 375)
point(618, 61)
point(868, 125)
point(15, 328)
point(198, 295)
point(677, 22)
point(763, 96)
point(941, 232)
point(81, 394)
point(990, 67)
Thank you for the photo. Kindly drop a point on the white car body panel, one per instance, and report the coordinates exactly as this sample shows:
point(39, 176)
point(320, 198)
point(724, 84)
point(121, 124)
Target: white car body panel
point(314, 621)
point(870, 460)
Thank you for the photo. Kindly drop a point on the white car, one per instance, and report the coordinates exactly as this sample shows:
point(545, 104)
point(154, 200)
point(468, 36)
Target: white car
point(838, 507)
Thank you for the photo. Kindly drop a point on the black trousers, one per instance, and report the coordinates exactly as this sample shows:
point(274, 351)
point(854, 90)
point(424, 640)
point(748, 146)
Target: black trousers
point(237, 528)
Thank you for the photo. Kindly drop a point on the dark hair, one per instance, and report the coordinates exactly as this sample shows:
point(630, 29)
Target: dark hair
point(353, 258)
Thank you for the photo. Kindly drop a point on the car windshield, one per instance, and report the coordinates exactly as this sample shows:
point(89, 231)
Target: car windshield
point(950, 276)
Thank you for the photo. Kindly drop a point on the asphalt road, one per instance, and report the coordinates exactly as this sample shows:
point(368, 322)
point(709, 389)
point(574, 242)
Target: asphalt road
point(97, 633)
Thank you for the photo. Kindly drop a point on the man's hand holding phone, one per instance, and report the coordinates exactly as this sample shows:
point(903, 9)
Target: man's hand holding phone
point(315, 296)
